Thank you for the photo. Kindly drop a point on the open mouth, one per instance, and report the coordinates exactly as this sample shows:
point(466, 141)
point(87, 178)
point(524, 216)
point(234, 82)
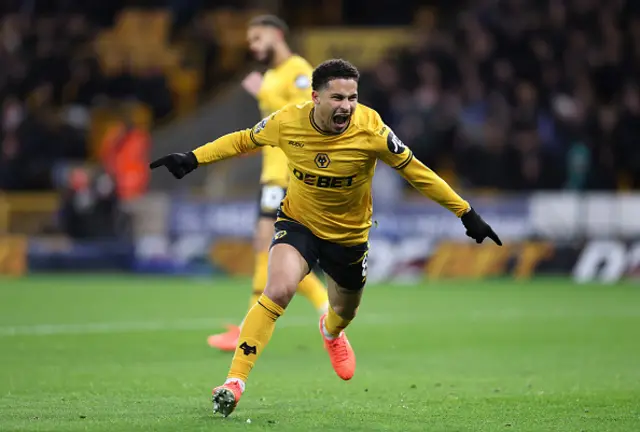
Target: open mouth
point(341, 120)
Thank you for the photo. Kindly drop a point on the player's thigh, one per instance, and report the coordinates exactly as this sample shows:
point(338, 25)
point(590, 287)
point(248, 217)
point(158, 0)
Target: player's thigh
point(268, 204)
point(292, 254)
point(346, 270)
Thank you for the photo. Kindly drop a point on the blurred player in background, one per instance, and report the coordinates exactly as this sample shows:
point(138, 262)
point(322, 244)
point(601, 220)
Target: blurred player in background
point(288, 80)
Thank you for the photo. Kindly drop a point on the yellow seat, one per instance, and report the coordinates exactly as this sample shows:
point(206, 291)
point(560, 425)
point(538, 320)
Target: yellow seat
point(424, 18)
point(130, 23)
point(158, 24)
point(27, 213)
point(184, 84)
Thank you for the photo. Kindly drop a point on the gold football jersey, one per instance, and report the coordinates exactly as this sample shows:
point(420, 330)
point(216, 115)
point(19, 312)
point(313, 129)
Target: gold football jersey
point(290, 82)
point(331, 174)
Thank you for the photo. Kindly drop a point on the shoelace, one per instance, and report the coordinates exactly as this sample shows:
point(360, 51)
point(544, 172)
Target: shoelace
point(339, 346)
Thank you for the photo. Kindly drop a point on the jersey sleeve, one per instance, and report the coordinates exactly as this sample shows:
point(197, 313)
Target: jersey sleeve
point(267, 131)
point(388, 147)
point(392, 151)
point(227, 146)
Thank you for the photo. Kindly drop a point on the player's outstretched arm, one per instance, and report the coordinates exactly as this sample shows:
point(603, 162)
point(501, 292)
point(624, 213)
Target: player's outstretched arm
point(181, 164)
point(227, 146)
point(433, 186)
point(394, 153)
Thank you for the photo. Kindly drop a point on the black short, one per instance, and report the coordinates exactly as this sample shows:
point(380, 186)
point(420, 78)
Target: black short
point(269, 200)
point(347, 265)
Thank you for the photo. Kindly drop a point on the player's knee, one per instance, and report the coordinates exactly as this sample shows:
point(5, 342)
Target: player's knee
point(280, 291)
point(345, 311)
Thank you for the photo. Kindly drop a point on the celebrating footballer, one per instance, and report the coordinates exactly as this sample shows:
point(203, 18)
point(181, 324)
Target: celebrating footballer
point(332, 144)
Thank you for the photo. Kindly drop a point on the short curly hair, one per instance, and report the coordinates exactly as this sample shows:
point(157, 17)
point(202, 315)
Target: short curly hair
point(333, 69)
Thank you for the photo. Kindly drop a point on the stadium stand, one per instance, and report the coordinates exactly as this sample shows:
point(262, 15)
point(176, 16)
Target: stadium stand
point(81, 76)
point(511, 96)
point(520, 95)
point(69, 75)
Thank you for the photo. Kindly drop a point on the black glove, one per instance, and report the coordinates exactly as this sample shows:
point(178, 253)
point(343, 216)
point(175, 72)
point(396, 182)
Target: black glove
point(178, 164)
point(477, 228)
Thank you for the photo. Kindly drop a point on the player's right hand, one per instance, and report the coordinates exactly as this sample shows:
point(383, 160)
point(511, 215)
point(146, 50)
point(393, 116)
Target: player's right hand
point(178, 164)
point(252, 83)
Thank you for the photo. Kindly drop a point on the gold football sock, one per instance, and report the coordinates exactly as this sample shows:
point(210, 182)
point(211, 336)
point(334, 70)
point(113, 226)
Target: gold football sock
point(255, 334)
point(334, 324)
point(260, 271)
point(311, 287)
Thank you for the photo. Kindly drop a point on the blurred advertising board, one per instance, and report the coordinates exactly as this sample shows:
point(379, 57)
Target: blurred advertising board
point(401, 236)
point(410, 242)
point(13, 255)
point(608, 261)
point(61, 254)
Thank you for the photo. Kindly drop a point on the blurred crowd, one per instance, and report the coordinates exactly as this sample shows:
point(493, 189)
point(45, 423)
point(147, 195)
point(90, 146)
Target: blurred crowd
point(35, 57)
point(506, 94)
point(49, 80)
point(521, 95)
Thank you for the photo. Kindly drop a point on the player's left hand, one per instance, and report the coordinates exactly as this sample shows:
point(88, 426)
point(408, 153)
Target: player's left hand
point(178, 164)
point(252, 83)
point(477, 228)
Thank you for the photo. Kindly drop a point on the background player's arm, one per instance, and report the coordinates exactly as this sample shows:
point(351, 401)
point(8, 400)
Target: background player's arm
point(395, 154)
point(265, 133)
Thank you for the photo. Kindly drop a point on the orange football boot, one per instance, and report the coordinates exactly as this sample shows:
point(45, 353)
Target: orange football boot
point(342, 357)
point(225, 398)
point(225, 341)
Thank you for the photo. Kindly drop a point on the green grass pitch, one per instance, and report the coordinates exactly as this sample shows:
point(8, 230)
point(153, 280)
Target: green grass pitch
point(126, 353)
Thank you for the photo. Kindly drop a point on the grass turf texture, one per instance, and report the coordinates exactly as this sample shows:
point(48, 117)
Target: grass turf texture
point(129, 354)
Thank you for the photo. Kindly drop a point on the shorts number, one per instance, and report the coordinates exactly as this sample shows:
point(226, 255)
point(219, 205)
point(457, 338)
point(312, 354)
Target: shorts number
point(272, 196)
point(364, 265)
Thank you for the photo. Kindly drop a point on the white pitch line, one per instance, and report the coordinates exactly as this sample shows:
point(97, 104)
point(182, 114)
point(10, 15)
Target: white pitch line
point(156, 326)
point(373, 319)
point(107, 327)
